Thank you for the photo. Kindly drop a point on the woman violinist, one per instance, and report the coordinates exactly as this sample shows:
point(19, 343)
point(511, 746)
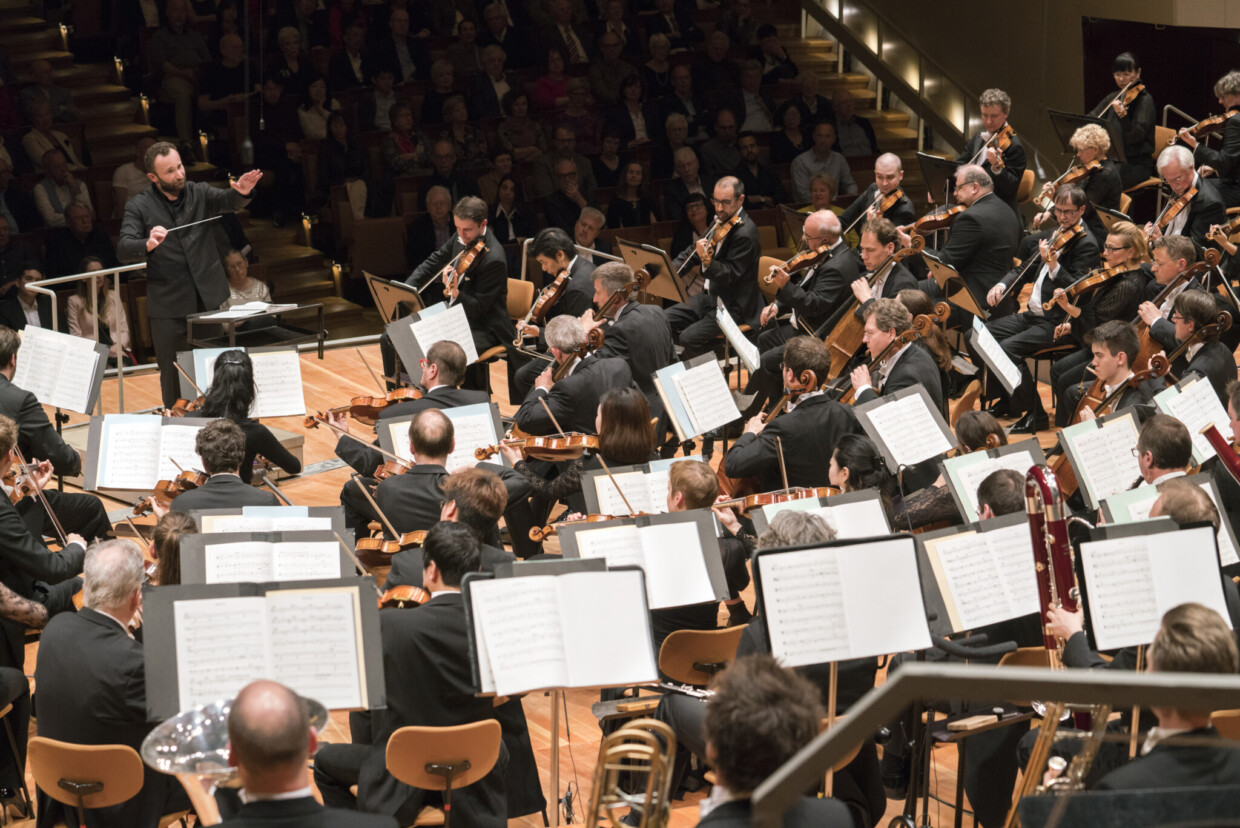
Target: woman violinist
point(1225, 160)
point(626, 438)
point(856, 465)
point(231, 396)
point(1132, 107)
point(1098, 176)
point(166, 544)
point(1117, 298)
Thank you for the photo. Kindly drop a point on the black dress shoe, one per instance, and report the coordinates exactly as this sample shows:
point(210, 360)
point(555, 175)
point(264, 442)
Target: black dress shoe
point(1031, 423)
point(998, 408)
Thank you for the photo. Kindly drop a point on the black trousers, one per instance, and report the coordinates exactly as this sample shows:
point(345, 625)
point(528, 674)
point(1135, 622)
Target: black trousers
point(1021, 335)
point(1070, 382)
point(14, 690)
point(78, 513)
point(693, 324)
point(767, 382)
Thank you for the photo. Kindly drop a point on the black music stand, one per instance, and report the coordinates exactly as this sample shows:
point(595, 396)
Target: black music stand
point(954, 287)
point(393, 299)
point(1067, 123)
point(665, 282)
point(939, 174)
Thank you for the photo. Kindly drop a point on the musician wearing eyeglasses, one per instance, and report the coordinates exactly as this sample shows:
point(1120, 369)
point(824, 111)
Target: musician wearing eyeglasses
point(1132, 107)
point(808, 299)
point(1004, 166)
point(731, 274)
point(888, 174)
point(1101, 180)
point(1203, 207)
point(1054, 264)
point(636, 332)
point(982, 240)
point(1195, 314)
point(1224, 159)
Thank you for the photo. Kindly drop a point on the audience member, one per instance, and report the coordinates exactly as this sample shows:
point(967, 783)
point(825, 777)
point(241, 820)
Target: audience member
point(406, 56)
point(130, 177)
point(821, 192)
point(608, 73)
point(277, 151)
point(17, 206)
point(315, 109)
point(738, 21)
point(714, 71)
point(42, 139)
point(692, 227)
point(561, 33)
point(492, 86)
point(720, 154)
point(498, 31)
point(433, 229)
point(563, 207)
point(43, 88)
point(755, 109)
point(563, 148)
point(615, 22)
point(684, 100)
point(347, 67)
point(113, 321)
point(763, 186)
point(443, 87)
point(13, 257)
point(578, 116)
point(501, 167)
point(308, 20)
point(656, 72)
point(520, 134)
point(444, 173)
point(853, 134)
point(607, 163)
point(293, 65)
point(586, 234)
point(223, 84)
point(469, 141)
point(464, 52)
point(343, 162)
point(820, 158)
point(687, 180)
point(551, 89)
point(790, 140)
point(510, 220)
point(67, 246)
point(631, 206)
point(673, 23)
point(176, 54)
point(663, 154)
point(23, 307)
point(374, 110)
point(242, 287)
point(404, 149)
point(776, 63)
point(58, 190)
point(341, 16)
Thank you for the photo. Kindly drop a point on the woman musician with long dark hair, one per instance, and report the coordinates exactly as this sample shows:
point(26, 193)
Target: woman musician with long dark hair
point(1132, 107)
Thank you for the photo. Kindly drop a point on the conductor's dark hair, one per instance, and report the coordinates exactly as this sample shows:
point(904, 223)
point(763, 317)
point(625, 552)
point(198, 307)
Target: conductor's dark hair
point(454, 548)
point(807, 353)
point(552, 240)
point(449, 358)
point(760, 716)
point(974, 427)
point(1003, 491)
point(431, 434)
point(1167, 440)
point(1125, 62)
point(221, 445)
point(1117, 337)
point(471, 208)
point(231, 394)
point(480, 498)
point(167, 541)
point(9, 343)
point(157, 150)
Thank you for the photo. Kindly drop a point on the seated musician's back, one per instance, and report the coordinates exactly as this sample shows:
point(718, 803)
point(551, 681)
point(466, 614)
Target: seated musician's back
point(221, 445)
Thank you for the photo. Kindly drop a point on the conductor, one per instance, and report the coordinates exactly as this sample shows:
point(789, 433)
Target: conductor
point(183, 268)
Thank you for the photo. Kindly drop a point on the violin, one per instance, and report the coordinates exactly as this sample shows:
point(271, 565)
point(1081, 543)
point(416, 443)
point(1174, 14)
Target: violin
point(183, 408)
point(757, 501)
point(1127, 95)
point(539, 533)
point(801, 261)
point(1100, 403)
point(383, 546)
point(1073, 175)
point(546, 298)
point(1148, 345)
point(1090, 281)
point(1206, 126)
point(594, 341)
point(391, 468)
point(563, 447)
point(452, 278)
point(19, 485)
point(166, 491)
point(398, 597)
point(641, 279)
point(1058, 241)
point(807, 380)
point(1000, 141)
point(940, 218)
point(1173, 209)
point(715, 235)
point(366, 409)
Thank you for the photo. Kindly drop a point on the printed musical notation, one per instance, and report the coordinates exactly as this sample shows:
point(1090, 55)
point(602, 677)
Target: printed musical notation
point(671, 555)
point(1195, 404)
point(909, 430)
point(805, 605)
point(989, 576)
point(59, 369)
point(137, 451)
point(436, 325)
point(474, 428)
point(217, 650)
point(707, 397)
point(521, 625)
point(1104, 455)
point(971, 469)
point(645, 491)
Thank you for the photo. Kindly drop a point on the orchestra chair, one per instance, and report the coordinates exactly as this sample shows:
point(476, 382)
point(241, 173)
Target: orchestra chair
point(764, 267)
point(1162, 138)
point(520, 300)
point(1125, 202)
point(205, 806)
point(966, 402)
point(27, 805)
point(442, 759)
point(89, 776)
point(695, 656)
point(1044, 358)
point(1024, 191)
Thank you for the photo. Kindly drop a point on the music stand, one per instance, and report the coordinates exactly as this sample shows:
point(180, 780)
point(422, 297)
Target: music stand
point(954, 287)
point(794, 221)
point(1109, 216)
point(393, 299)
point(939, 174)
point(1067, 123)
point(665, 282)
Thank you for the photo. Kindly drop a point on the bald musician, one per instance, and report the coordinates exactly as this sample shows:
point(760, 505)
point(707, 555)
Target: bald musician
point(888, 174)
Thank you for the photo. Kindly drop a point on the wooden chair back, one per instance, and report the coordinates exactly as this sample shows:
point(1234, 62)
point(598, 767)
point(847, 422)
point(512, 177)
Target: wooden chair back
point(115, 770)
point(413, 751)
point(694, 656)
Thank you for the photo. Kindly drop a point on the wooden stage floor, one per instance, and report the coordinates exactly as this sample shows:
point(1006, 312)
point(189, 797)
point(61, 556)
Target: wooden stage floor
point(331, 382)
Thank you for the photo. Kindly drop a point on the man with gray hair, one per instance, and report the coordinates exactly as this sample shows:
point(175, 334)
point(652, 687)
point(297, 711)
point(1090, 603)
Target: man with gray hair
point(635, 332)
point(1205, 209)
point(93, 655)
point(1004, 166)
point(1224, 160)
point(821, 158)
point(571, 402)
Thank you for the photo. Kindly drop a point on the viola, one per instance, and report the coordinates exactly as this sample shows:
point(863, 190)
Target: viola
point(1206, 126)
point(890, 200)
point(383, 546)
point(183, 408)
point(366, 409)
point(1073, 175)
point(717, 235)
point(1090, 281)
point(801, 261)
point(806, 380)
point(548, 297)
point(757, 501)
point(166, 491)
point(1059, 240)
point(1097, 400)
point(1173, 209)
point(539, 533)
point(922, 323)
point(1128, 94)
point(1001, 140)
point(594, 341)
point(391, 468)
point(398, 597)
point(937, 219)
point(562, 447)
point(19, 485)
point(453, 275)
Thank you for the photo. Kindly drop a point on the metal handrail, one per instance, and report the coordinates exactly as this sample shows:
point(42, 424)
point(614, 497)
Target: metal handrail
point(42, 286)
point(966, 682)
point(1169, 108)
point(525, 256)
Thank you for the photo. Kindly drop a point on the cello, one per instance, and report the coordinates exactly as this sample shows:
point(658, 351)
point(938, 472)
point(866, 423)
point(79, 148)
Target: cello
point(1148, 345)
point(922, 323)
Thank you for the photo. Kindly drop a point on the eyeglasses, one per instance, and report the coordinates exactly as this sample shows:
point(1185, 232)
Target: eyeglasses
point(722, 202)
point(1136, 452)
point(1067, 211)
point(1110, 248)
point(1175, 317)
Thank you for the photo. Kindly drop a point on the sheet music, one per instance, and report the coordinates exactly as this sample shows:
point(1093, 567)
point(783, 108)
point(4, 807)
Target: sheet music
point(613, 647)
point(222, 644)
point(618, 545)
point(176, 442)
point(1105, 456)
point(437, 325)
point(1135, 505)
point(657, 482)
point(1133, 581)
point(909, 430)
point(306, 561)
point(245, 523)
point(972, 469)
point(675, 568)
point(520, 620)
point(989, 576)
point(314, 644)
point(747, 351)
point(636, 487)
point(473, 427)
point(707, 398)
point(59, 369)
point(859, 519)
point(399, 435)
point(129, 452)
point(241, 562)
point(277, 384)
point(994, 355)
point(1012, 549)
point(1196, 405)
point(882, 597)
point(804, 604)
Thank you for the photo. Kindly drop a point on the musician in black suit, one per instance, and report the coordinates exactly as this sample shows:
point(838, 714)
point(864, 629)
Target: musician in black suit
point(572, 401)
point(409, 501)
point(1103, 186)
point(1224, 159)
point(1006, 167)
point(808, 431)
point(221, 445)
point(883, 278)
point(731, 273)
point(1204, 209)
point(745, 749)
point(982, 240)
point(429, 683)
point(555, 252)
point(1113, 346)
point(92, 685)
point(183, 268)
point(1194, 311)
point(270, 742)
point(1055, 264)
point(482, 289)
point(22, 301)
point(442, 375)
point(1228, 485)
point(910, 365)
point(888, 173)
point(809, 300)
point(637, 333)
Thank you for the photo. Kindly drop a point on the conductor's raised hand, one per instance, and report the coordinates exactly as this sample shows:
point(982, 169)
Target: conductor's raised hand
point(246, 182)
point(156, 237)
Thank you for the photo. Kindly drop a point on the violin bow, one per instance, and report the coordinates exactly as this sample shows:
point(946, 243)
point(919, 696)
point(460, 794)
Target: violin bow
point(554, 421)
point(188, 379)
point(264, 476)
point(366, 494)
point(617, 485)
point(373, 375)
point(352, 436)
point(38, 494)
point(361, 567)
point(783, 470)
